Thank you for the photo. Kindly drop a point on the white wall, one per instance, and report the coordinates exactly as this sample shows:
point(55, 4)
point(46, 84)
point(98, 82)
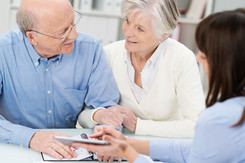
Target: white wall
point(4, 18)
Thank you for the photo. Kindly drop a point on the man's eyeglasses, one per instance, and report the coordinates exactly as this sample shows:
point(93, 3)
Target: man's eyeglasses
point(77, 18)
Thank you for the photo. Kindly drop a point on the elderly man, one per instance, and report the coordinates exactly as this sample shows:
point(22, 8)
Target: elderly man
point(47, 72)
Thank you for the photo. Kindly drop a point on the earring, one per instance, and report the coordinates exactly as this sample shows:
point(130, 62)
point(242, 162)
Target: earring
point(159, 41)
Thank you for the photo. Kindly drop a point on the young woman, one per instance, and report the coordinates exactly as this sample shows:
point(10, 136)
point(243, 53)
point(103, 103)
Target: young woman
point(220, 130)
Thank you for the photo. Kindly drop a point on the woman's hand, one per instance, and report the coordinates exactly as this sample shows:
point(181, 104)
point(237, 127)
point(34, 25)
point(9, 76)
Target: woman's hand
point(118, 145)
point(109, 117)
point(99, 131)
point(129, 119)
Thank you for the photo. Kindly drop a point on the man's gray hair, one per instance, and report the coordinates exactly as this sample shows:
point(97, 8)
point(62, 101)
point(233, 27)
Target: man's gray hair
point(164, 13)
point(25, 20)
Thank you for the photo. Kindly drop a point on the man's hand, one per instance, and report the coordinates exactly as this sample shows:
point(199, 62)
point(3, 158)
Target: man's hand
point(43, 141)
point(110, 117)
point(129, 119)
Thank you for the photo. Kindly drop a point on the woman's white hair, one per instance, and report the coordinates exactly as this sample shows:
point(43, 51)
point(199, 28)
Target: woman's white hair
point(164, 13)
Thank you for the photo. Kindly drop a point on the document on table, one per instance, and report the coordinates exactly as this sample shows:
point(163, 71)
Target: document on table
point(82, 154)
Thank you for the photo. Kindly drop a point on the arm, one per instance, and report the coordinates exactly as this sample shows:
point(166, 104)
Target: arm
point(168, 150)
point(102, 92)
point(15, 134)
point(190, 97)
point(28, 137)
point(214, 139)
point(37, 140)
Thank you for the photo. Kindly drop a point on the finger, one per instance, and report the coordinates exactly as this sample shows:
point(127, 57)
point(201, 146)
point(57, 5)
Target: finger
point(111, 131)
point(67, 149)
point(106, 158)
point(112, 158)
point(115, 126)
point(100, 157)
point(53, 153)
point(97, 134)
point(98, 129)
point(119, 159)
point(61, 150)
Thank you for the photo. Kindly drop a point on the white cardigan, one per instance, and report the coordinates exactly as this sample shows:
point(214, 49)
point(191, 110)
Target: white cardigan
point(173, 103)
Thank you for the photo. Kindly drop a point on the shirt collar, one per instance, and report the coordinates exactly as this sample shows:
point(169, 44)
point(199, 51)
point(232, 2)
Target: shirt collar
point(35, 56)
point(127, 57)
point(158, 52)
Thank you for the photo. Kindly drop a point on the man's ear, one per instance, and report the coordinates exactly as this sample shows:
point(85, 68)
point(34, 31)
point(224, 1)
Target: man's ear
point(31, 37)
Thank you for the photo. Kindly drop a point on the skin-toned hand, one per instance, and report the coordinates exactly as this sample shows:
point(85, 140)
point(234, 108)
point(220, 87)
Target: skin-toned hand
point(99, 131)
point(129, 119)
point(43, 141)
point(118, 145)
point(109, 116)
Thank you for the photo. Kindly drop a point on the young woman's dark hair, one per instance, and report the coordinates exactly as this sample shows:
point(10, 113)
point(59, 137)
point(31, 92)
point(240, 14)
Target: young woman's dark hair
point(221, 37)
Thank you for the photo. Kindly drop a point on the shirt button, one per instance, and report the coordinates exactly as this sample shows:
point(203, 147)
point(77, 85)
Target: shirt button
point(49, 92)
point(36, 63)
point(46, 69)
point(50, 111)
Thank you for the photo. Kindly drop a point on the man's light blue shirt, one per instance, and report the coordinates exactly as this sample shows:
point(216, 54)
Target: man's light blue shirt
point(39, 93)
point(215, 140)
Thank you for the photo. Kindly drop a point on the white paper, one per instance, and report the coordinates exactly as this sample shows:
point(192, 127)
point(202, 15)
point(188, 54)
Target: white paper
point(82, 153)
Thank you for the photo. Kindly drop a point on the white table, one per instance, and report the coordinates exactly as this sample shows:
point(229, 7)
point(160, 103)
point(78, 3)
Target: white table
point(10, 153)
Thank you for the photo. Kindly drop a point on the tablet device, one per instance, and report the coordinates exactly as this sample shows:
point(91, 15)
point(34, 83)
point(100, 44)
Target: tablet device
point(69, 140)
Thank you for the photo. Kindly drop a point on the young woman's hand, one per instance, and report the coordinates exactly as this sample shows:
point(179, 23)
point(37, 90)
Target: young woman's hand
point(118, 146)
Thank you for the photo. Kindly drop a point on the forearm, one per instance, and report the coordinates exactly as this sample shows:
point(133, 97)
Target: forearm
point(170, 150)
point(15, 134)
point(141, 146)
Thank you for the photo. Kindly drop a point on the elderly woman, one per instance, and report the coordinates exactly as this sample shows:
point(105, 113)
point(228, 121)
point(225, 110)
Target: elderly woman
point(157, 77)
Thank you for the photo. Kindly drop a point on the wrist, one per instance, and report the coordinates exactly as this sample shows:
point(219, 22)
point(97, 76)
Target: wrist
point(130, 154)
point(96, 115)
